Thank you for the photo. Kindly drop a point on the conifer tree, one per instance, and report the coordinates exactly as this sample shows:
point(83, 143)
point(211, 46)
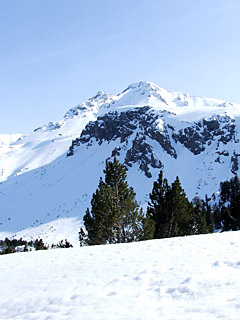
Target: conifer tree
point(230, 204)
point(200, 226)
point(170, 209)
point(157, 210)
point(217, 217)
point(226, 219)
point(39, 245)
point(180, 211)
point(115, 216)
point(83, 239)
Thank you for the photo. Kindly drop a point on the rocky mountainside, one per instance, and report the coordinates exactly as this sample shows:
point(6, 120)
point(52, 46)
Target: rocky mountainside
point(52, 172)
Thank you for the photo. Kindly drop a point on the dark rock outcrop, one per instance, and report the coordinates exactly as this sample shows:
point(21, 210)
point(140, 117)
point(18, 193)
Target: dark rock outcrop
point(201, 134)
point(139, 124)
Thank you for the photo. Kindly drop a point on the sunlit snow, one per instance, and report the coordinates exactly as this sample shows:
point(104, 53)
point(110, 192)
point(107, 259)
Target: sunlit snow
point(189, 278)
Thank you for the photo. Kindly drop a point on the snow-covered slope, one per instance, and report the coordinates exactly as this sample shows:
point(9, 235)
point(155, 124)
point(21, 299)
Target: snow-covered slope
point(46, 143)
point(148, 128)
point(189, 278)
point(52, 232)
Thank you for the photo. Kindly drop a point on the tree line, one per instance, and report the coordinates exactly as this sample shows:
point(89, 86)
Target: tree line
point(116, 217)
point(19, 245)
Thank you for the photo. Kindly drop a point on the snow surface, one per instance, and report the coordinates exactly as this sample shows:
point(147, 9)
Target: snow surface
point(192, 278)
point(7, 139)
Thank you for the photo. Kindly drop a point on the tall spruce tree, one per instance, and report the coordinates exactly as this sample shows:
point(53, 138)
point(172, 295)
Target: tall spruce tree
point(209, 214)
point(115, 216)
point(156, 209)
point(200, 216)
point(170, 209)
point(230, 204)
point(217, 217)
point(180, 211)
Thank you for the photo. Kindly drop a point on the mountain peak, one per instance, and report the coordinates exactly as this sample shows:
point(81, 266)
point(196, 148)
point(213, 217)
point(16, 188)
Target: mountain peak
point(92, 104)
point(146, 93)
point(143, 85)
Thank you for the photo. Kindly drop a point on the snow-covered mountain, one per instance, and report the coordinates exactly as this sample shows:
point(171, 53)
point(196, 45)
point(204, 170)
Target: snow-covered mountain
point(51, 173)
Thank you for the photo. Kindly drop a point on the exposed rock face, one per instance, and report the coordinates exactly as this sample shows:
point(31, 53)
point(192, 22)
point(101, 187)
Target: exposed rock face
point(140, 129)
point(201, 134)
point(135, 130)
point(142, 153)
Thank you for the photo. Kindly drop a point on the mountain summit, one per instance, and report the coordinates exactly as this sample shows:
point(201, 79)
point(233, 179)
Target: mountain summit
point(52, 172)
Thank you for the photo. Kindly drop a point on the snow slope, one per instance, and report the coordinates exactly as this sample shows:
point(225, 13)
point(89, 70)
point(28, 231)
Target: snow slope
point(192, 278)
point(40, 185)
point(52, 232)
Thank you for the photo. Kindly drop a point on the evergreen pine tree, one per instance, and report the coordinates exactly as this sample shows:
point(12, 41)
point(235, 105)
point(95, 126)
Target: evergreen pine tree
point(217, 217)
point(39, 245)
point(170, 209)
point(156, 209)
point(226, 218)
point(82, 237)
point(115, 216)
point(235, 203)
point(180, 211)
point(230, 204)
point(209, 214)
point(200, 225)
point(9, 249)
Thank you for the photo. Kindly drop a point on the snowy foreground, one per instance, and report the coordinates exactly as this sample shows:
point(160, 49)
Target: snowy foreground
point(196, 277)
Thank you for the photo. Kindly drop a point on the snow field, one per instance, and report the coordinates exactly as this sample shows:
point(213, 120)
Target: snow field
point(195, 277)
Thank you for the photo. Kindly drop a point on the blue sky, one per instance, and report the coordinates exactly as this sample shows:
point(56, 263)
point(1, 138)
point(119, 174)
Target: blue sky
point(55, 54)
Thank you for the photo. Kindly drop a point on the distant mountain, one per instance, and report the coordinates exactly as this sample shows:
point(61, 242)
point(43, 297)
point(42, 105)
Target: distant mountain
point(52, 172)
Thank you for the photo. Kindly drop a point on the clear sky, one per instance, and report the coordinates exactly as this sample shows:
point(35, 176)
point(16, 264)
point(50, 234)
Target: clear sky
point(55, 54)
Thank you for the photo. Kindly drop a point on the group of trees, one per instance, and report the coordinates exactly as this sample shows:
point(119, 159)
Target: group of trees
point(172, 212)
point(227, 212)
point(15, 245)
point(115, 216)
